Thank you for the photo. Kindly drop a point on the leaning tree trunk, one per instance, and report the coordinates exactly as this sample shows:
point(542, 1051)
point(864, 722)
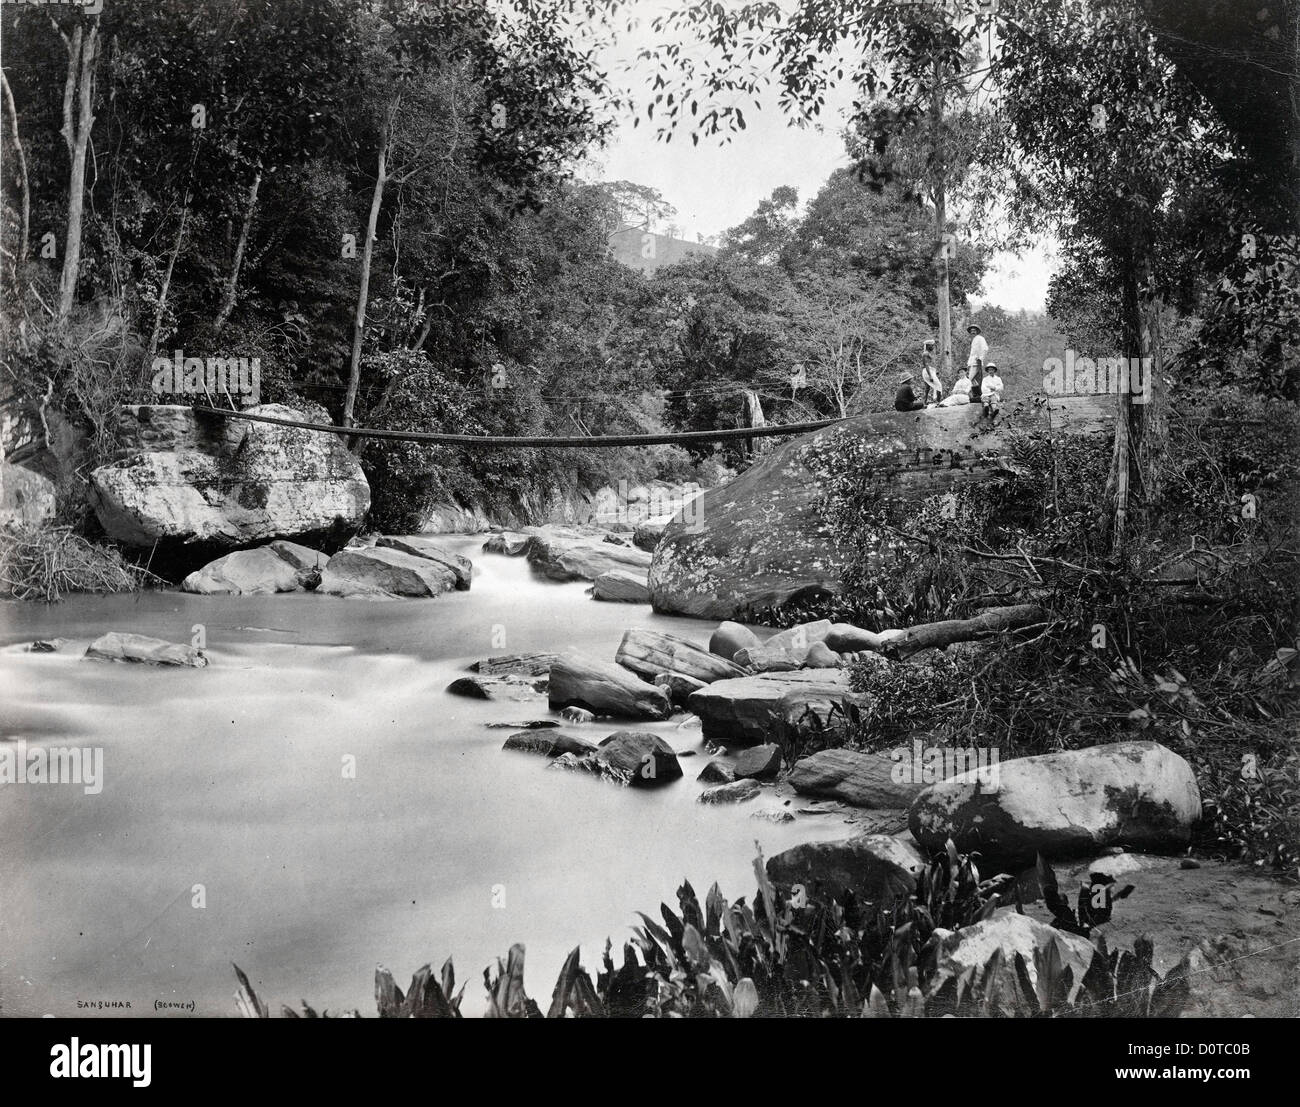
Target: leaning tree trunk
point(232, 281)
point(76, 135)
point(363, 293)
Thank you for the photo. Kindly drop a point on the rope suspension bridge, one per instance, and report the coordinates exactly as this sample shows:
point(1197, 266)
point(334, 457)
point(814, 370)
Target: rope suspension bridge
point(496, 441)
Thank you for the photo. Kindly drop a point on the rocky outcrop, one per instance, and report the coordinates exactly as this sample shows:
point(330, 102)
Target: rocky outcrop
point(620, 586)
point(858, 779)
point(874, 867)
point(197, 486)
point(1139, 795)
point(581, 557)
point(649, 652)
point(748, 711)
point(246, 572)
point(604, 688)
point(143, 650)
point(460, 567)
point(761, 540)
point(383, 573)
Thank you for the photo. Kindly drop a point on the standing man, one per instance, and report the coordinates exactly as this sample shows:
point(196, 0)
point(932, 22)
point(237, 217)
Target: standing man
point(979, 352)
point(929, 375)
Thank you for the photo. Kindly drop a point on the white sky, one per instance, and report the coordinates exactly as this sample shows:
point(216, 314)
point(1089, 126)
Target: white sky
point(715, 186)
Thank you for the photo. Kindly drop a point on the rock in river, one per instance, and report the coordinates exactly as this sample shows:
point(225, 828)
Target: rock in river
point(1139, 795)
point(759, 762)
point(198, 485)
point(383, 573)
point(581, 557)
point(604, 688)
point(632, 758)
point(245, 572)
point(747, 711)
point(739, 791)
point(649, 652)
point(461, 567)
point(510, 687)
point(552, 743)
point(621, 586)
point(730, 637)
point(144, 650)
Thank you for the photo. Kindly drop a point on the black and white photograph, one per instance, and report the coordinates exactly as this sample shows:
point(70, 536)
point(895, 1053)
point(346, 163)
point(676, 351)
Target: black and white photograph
point(651, 509)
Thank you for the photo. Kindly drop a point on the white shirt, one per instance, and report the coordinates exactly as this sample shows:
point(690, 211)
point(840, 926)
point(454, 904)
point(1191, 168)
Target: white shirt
point(978, 349)
point(961, 387)
point(992, 383)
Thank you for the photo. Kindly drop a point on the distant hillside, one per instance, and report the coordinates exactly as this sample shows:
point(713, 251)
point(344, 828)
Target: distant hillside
point(643, 250)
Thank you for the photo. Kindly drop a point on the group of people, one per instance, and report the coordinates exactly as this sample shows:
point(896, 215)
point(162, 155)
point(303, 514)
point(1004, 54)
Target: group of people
point(977, 383)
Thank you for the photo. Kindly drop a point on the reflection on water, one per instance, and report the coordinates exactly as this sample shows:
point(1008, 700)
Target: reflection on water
point(227, 831)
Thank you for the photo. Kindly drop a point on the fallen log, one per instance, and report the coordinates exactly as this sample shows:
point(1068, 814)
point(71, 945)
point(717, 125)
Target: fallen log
point(902, 643)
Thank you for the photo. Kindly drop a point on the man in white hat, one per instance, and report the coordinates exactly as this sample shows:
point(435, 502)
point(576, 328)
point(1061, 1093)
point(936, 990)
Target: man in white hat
point(991, 390)
point(979, 352)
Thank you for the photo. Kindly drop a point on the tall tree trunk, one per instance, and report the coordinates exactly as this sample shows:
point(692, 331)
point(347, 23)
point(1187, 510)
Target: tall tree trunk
point(1134, 485)
point(363, 293)
point(76, 134)
point(232, 282)
point(941, 220)
point(22, 172)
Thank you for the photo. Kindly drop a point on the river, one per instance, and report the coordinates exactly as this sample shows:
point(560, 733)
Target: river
point(228, 828)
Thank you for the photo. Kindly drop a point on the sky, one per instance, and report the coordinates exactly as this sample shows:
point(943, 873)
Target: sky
point(715, 186)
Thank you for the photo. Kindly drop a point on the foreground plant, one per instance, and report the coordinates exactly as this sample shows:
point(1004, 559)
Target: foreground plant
point(809, 954)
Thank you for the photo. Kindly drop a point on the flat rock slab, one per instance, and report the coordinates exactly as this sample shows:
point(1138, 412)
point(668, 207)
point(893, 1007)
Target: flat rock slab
point(621, 586)
point(461, 567)
point(1138, 795)
point(747, 711)
point(583, 558)
point(738, 791)
point(246, 572)
point(858, 779)
point(515, 664)
point(551, 743)
point(516, 688)
point(603, 688)
point(141, 649)
point(650, 652)
point(383, 573)
point(299, 556)
point(875, 867)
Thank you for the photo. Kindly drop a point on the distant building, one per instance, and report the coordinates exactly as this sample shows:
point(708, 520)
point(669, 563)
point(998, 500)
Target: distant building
point(647, 251)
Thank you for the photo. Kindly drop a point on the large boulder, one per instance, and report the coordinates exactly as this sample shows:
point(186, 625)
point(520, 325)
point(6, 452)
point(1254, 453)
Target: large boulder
point(1139, 795)
point(460, 567)
point(762, 540)
point(143, 650)
point(874, 867)
point(508, 543)
point(621, 586)
point(852, 777)
point(604, 688)
point(1010, 933)
point(190, 487)
point(245, 572)
point(649, 652)
point(582, 557)
point(381, 573)
point(646, 535)
point(747, 711)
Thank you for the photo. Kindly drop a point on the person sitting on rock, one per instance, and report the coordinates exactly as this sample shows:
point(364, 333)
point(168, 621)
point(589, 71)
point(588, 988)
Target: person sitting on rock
point(991, 391)
point(905, 399)
point(960, 393)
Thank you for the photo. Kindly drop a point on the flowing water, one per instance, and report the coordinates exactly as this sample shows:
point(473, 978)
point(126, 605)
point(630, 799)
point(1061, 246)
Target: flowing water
point(228, 827)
